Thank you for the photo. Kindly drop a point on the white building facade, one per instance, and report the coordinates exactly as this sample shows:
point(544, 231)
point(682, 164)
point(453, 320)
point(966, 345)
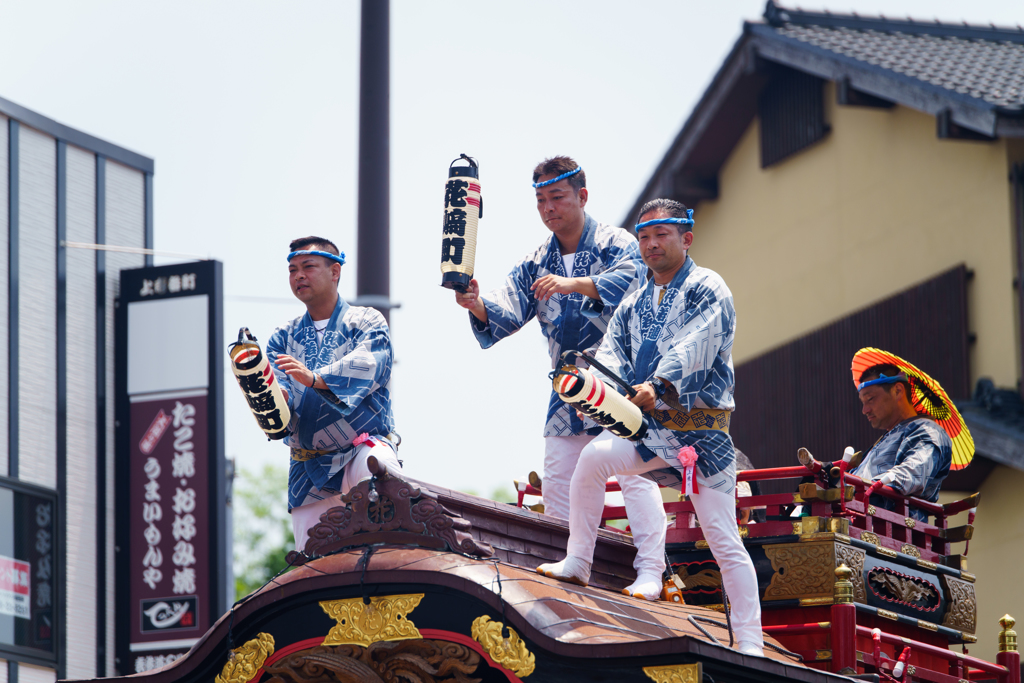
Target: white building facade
point(60, 188)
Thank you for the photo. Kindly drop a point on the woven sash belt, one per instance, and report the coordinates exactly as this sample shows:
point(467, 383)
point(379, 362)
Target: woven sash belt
point(302, 454)
point(698, 418)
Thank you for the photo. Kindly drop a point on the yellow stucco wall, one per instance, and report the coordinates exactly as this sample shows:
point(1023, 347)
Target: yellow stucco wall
point(879, 205)
point(995, 554)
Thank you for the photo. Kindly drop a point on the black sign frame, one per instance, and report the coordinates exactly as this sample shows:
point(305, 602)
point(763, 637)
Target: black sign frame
point(31, 655)
point(209, 280)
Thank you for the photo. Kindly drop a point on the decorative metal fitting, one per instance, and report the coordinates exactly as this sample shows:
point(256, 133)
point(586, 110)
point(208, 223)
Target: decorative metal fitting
point(1007, 637)
point(843, 587)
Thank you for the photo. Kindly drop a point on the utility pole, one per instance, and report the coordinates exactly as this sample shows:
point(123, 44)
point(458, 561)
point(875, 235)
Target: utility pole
point(373, 238)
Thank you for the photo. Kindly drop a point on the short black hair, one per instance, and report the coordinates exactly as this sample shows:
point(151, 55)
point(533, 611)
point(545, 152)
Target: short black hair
point(315, 243)
point(889, 370)
point(671, 207)
point(556, 166)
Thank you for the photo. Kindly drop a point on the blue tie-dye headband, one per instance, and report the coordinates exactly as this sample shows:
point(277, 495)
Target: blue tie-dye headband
point(316, 252)
point(674, 221)
point(565, 175)
point(883, 379)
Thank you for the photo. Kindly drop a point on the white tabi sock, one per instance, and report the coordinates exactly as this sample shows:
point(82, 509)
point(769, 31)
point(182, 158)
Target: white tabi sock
point(646, 587)
point(751, 649)
point(571, 569)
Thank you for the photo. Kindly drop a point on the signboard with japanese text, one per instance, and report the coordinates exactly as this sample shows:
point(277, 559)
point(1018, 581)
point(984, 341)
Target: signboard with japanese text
point(15, 588)
point(173, 544)
point(28, 586)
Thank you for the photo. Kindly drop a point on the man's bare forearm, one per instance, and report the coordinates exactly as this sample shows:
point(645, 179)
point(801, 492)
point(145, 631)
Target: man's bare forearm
point(586, 287)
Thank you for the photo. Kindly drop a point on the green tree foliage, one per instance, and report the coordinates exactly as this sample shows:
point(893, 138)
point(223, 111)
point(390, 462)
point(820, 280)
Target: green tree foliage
point(500, 493)
point(263, 527)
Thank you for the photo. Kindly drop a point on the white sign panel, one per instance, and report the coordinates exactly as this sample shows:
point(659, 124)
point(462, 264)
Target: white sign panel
point(168, 344)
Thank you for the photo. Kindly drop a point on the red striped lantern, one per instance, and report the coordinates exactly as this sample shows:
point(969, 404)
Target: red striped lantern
point(463, 208)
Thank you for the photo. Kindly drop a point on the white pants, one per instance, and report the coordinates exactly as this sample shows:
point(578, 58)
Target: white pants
point(641, 497)
point(609, 455)
point(305, 517)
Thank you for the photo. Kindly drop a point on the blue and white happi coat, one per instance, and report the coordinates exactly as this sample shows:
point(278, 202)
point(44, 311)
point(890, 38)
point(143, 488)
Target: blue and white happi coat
point(687, 340)
point(354, 360)
point(918, 452)
point(607, 255)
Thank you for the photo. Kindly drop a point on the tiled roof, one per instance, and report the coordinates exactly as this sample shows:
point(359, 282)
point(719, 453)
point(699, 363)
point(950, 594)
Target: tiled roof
point(982, 62)
point(989, 70)
point(969, 77)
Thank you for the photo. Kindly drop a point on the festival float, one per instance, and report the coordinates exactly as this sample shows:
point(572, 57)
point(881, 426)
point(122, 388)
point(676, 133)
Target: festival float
point(410, 581)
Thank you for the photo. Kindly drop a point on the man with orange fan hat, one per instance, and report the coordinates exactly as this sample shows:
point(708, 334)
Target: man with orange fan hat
point(924, 436)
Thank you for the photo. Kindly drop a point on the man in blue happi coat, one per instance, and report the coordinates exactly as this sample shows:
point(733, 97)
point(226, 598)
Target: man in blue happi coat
point(915, 453)
point(572, 284)
point(334, 364)
point(672, 342)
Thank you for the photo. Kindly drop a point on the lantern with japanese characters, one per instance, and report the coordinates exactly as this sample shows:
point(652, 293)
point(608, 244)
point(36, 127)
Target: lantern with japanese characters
point(593, 397)
point(463, 208)
point(261, 391)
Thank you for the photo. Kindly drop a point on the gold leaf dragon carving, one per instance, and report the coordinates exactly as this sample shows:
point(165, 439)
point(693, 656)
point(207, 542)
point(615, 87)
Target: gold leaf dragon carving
point(903, 589)
point(675, 673)
point(711, 578)
point(511, 653)
point(246, 660)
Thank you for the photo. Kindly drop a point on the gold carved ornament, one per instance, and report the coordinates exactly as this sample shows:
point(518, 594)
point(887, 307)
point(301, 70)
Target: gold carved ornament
point(245, 661)
point(423, 661)
point(908, 549)
point(675, 673)
point(510, 652)
point(962, 605)
point(854, 559)
point(903, 589)
point(800, 570)
point(843, 586)
point(385, 618)
point(869, 537)
point(710, 578)
point(1007, 637)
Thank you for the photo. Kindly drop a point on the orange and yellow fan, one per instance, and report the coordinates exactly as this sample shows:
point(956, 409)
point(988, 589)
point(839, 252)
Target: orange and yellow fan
point(928, 398)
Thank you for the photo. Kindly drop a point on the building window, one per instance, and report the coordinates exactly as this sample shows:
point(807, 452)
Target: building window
point(792, 114)
point(28, 571)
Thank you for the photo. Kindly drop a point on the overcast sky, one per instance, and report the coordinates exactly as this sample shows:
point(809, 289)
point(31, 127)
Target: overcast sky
point(250, 112)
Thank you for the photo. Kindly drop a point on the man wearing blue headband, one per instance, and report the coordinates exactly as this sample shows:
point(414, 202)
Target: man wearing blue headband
point(915, 453)
point(672, 341)
point(572, 284)
point(334, 363)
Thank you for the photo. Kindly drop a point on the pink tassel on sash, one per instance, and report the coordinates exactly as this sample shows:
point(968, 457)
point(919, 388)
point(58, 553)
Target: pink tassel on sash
point(688, 459)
